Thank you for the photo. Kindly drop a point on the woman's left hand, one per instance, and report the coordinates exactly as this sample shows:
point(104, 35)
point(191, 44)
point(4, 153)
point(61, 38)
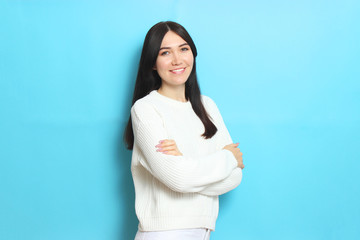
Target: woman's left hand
point(169, 147)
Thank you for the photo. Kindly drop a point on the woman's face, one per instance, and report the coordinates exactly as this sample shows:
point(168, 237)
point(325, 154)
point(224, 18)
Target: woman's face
point(175, 60)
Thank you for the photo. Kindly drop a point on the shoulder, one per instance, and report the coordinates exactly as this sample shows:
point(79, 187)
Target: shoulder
point(211, 108)
point(208, 102)
point(145, 107)
point(143, 102)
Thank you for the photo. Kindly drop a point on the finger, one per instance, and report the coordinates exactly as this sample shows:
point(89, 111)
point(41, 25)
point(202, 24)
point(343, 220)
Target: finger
point(170, 148)
point(234, 144)
point(166, 146)
point(160, 143)
point(166, 142)
point(174, 153)
point(163, 143)
point(161, 150)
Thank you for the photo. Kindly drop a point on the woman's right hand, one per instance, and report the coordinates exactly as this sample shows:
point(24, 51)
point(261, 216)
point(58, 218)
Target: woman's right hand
point(237, 154)
point(169, 147)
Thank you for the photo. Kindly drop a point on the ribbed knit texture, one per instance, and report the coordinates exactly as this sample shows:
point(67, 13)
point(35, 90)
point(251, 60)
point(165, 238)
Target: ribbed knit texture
point(178, 192)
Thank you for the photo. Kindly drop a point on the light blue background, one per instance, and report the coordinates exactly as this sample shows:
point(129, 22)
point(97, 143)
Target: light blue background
point(285, 75)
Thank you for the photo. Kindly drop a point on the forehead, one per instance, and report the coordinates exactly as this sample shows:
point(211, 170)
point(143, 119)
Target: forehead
point(171, 39)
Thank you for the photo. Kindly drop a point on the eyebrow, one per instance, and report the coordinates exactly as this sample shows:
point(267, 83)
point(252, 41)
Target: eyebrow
point(178, 46)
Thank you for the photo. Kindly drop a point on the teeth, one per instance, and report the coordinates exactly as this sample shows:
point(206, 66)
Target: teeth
point(178, 70)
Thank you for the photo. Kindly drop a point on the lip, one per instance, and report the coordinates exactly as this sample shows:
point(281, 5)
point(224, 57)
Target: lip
point(178, 70)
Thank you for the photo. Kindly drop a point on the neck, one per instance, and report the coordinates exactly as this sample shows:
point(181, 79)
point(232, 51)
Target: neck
point(174, 92)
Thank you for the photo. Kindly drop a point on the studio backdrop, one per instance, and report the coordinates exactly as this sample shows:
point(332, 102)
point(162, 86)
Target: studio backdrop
point(284, 74)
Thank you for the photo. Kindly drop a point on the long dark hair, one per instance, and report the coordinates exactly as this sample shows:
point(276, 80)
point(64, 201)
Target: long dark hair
point(148, 79)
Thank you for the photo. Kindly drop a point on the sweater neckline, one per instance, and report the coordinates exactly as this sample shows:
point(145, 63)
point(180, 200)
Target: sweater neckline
point(169, 100)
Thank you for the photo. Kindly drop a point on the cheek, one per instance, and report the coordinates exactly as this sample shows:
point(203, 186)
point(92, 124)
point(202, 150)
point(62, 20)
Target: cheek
point(163, 63)
point(190, 61)
point(189, 57)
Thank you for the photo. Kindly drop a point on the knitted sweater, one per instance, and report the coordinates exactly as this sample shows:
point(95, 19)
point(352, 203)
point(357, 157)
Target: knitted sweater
point(179, 192)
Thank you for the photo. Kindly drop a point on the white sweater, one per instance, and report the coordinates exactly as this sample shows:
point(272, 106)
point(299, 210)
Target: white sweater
point(179, 192)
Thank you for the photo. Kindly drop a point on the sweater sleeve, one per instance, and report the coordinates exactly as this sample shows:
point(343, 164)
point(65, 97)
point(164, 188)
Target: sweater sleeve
point(225, 185)
point(179, 173)
point(224, 139)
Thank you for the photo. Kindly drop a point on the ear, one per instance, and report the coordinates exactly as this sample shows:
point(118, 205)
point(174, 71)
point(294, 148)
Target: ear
point(154, 68)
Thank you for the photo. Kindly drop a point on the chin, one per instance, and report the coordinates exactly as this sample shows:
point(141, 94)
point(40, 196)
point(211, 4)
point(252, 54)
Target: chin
point(178, 83)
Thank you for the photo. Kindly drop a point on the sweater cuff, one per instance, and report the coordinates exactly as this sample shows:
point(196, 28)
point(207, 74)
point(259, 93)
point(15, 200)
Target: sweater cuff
point(231, 156)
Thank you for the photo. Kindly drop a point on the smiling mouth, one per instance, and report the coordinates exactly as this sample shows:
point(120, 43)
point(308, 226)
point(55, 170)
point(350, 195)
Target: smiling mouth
point(178, 71)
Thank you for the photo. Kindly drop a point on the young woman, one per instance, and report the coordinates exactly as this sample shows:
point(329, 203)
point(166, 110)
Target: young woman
point(183, 156)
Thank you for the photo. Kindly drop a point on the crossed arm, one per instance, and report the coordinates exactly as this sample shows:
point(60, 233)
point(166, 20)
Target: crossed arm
point(169, 147)
point(213, 174)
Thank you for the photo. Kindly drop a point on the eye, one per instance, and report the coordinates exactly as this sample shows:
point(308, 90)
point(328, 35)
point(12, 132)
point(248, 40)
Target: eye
point(164, 53)
point(184, 49)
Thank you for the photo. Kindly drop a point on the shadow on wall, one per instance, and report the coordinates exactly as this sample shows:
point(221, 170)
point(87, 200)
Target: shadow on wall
point(129, 221)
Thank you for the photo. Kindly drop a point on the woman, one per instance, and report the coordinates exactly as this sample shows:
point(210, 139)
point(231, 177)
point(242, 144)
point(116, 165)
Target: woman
point(183, 156)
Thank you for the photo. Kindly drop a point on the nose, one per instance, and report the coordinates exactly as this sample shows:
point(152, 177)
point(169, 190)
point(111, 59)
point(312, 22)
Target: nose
point(176, 59)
